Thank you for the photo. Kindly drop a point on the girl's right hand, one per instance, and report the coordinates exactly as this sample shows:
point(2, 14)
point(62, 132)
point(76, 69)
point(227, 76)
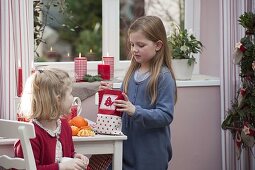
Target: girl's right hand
point(105, 85)
point(74, 164)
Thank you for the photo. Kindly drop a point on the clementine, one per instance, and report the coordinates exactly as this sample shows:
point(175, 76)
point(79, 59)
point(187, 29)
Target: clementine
point(86, 127)
point(85, 132)
point(79, 121)
point(75, 130)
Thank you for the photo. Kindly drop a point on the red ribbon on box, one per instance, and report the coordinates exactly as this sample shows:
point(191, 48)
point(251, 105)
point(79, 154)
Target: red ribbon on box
point(106, 100)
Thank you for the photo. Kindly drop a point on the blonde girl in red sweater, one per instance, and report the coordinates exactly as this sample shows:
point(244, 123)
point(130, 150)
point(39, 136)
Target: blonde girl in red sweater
point(46, 97)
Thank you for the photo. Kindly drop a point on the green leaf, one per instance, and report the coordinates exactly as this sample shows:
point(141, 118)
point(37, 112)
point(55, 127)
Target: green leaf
point(180, 39)
point(227, 122)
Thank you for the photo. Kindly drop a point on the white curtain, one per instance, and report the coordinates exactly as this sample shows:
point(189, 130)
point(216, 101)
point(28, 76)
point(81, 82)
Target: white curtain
point(231, 33)
point(16, 46)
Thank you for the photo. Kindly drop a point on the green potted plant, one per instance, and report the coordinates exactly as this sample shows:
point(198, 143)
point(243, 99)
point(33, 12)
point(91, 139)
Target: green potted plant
point(183, 45)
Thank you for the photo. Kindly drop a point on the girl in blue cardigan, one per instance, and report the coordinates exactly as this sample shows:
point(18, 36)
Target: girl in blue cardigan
point(149, 89)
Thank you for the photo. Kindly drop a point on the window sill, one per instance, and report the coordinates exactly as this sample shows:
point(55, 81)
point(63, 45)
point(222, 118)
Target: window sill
point(199, 80)
point(196, 81)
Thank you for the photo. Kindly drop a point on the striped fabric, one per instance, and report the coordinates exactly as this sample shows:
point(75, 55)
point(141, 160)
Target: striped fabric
point(16, 35)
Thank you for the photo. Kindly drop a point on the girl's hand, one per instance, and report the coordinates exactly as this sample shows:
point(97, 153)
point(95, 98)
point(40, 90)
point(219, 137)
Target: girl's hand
point(125, 105)
point(105, 85)
point(83, 158)
point(75, 164)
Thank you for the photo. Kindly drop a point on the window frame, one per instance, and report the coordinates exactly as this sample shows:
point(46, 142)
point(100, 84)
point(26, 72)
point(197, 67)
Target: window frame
point(192, 21)
point(111, 37)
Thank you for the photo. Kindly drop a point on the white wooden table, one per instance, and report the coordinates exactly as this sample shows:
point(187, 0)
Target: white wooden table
point(99, 144)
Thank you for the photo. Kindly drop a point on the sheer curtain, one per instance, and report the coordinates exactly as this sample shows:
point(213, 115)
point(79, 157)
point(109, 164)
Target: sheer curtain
point(231, 33)
point(16, 35)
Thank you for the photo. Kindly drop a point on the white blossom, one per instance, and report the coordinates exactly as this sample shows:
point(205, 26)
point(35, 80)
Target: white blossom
point(184, 48)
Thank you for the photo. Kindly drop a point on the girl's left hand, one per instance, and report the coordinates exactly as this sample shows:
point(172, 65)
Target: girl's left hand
point(83, 158)
point(105, 85)
point(125, 105)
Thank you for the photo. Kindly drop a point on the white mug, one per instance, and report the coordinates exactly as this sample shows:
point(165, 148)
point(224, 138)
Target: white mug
point(77, 102)
point(65, 159)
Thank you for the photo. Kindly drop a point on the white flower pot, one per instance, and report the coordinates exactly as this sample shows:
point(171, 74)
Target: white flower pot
point(182, 70)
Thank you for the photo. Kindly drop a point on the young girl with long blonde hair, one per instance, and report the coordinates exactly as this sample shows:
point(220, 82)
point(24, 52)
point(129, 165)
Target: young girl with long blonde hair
point(149, 89)
point(46, 97)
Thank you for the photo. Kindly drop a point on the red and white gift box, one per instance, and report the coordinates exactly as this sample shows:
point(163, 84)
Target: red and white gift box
point(108, 118)
point(80, 68)
point(109, 60)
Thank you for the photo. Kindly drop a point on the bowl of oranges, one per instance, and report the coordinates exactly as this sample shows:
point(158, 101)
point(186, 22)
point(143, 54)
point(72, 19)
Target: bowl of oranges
point(80, 127)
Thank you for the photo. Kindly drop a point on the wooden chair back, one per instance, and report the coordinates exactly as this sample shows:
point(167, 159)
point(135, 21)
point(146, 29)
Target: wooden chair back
point(23, 131)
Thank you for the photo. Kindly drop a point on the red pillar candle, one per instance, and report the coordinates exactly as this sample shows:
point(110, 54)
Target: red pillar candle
point(109, 60)
point(91, 56)
point(80, 68)
point(104, 71)
point(19, 84)
point(51, 54)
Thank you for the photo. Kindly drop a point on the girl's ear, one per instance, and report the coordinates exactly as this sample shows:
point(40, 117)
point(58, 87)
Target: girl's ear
point(159, 45)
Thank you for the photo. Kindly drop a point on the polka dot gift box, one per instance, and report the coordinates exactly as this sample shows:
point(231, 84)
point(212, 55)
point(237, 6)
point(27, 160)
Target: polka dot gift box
point(108, 118)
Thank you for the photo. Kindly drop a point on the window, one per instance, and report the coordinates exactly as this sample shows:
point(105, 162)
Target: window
point(64, 30)
point(168, 11)
point(111, 28)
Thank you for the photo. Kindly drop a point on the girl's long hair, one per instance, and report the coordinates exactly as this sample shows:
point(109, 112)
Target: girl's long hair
point(154, 30)
point(43, 94)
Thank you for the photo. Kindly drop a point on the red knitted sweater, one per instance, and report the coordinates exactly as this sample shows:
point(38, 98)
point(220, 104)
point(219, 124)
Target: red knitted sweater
point(44, 146)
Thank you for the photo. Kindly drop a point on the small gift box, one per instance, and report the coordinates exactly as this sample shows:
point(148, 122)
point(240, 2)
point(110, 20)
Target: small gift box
point(108, 118)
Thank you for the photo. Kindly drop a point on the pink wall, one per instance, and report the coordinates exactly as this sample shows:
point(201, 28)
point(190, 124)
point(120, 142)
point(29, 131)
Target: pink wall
point(210, 37)
point(196, 131)
point(89, 109)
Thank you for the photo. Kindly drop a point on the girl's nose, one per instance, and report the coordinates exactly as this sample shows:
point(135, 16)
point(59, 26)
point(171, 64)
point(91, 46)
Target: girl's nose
point(135, 50)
